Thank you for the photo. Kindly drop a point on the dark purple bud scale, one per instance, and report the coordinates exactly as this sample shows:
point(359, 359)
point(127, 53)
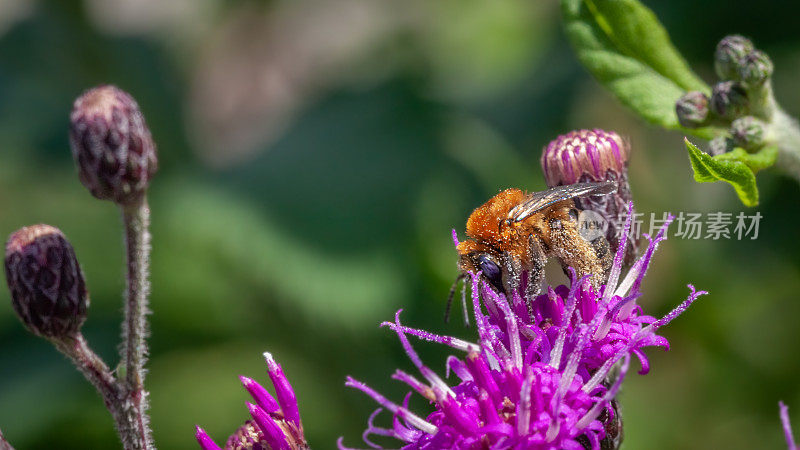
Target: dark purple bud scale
point(111, 144)
point(47, 287)
point(593, 155)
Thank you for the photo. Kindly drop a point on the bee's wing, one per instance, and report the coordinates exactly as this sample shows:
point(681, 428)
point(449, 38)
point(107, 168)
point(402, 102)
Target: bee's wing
point(537, 201)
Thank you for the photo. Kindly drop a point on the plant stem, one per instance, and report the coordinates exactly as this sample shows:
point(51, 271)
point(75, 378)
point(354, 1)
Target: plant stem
point(112, 391)
point(136, 218)
point(787, 135)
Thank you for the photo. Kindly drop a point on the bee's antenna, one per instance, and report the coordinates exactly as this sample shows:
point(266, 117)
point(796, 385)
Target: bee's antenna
point(450, 297)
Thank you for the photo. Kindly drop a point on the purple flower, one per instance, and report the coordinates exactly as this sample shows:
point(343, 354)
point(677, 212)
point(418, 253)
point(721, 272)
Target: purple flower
point(591, 156)
point(546, 381)
point(275, 424)
point(787, 426)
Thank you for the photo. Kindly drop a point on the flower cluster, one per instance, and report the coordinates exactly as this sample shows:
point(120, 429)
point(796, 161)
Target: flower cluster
point(742, 101)
point(275, 424)
point(540, 380)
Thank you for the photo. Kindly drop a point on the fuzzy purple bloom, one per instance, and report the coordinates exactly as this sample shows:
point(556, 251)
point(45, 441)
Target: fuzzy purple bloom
point(541, 382)
point(275, 424)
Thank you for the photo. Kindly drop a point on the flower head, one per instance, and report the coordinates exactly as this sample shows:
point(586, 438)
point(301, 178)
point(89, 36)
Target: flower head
point(111, 144)
point(594, 155)
point(275, 423)
point(546, 381)
point(47, 287)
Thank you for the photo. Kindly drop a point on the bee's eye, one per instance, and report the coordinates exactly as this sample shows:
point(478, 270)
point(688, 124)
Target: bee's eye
point(491, 271)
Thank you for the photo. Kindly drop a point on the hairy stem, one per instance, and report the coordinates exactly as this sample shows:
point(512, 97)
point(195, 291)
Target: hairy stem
point(97, 372)
point(136, 218)
point(787, 135)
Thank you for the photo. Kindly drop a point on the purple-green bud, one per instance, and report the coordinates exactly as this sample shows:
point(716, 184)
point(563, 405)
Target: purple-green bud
point(48, 291)
point(756, 68)
point(729, 100)
point(111, 145)
point(730, 53)
point(748, 132)
point(692, 109)
point(593, 155)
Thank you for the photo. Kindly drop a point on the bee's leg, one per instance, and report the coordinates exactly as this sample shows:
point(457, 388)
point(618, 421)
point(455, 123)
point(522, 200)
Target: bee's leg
point(452, 294)
point(512, 273)
point(535, 273)
point(602, 248)
point(573, 250)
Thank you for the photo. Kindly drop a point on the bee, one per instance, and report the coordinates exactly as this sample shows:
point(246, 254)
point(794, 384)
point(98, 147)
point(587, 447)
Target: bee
point(514, 234)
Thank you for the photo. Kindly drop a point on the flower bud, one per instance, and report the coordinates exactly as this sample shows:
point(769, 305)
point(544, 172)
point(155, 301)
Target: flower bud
point(756, 68)
point(729, 100)
point(593, 155)
point(730, 53)
point(692, 109)
point(748, 132)
point(111, 145)
point(48, 291)
point(585, 155)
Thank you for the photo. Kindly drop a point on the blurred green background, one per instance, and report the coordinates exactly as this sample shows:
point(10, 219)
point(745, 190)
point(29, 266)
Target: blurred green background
point(314, 157)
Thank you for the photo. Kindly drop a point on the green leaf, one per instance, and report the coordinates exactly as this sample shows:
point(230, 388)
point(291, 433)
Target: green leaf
point(736, 167)
point(762, 159)
point(624, 46)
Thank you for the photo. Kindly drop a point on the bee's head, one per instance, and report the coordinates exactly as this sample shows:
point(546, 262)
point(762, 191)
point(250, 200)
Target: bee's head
point(490, 268)
point(478, 258)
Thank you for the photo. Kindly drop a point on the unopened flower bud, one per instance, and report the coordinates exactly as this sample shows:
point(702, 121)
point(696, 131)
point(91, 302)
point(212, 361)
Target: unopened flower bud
point(756, 68)
point(729, 100)
point(48, 291)
point(111, 145)
point(692, 109)
point(748, 132)
point(730, 53)
point(593, 155)
point(585, 155)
